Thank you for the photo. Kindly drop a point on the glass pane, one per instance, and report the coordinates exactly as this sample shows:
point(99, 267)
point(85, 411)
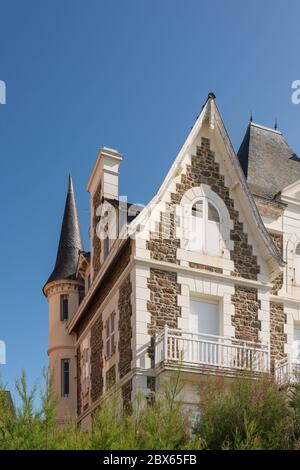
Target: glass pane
point(112, 323)
point(213, 214)
point(197, 209)
point(65, 377)
point(298, 249)
point(64, 314)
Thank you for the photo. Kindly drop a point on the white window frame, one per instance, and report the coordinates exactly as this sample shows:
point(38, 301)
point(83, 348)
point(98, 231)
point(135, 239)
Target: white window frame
point(110, 335)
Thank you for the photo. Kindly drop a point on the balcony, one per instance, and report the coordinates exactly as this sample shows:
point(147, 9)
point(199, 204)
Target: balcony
point(287, 371)
point(197, 351)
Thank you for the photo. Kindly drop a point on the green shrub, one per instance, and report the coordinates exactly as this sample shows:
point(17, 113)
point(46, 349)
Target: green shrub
point(244, 414)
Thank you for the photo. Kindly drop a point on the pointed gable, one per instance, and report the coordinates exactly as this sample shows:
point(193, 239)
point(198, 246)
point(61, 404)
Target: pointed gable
point(207, 159)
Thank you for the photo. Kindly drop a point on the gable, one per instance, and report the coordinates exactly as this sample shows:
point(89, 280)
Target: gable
point(207, 158)
point(204, 169)
point(292, 192)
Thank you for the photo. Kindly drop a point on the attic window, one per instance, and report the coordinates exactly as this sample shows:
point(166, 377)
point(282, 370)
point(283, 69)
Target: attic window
point(204, 232)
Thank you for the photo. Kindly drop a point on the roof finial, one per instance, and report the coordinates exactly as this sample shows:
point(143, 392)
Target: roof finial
point(275, 125)
point(251, 117)
point(211, 96)
point(70, 185)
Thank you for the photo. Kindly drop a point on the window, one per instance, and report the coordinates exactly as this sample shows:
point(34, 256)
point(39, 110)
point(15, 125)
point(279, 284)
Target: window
point(205, 229)
point(110, 335)
point(64, 307)
point(85, 367)
point(296, 344)
point(106, 243)
point(204, 317)
point(297, 264)
point(65, 372)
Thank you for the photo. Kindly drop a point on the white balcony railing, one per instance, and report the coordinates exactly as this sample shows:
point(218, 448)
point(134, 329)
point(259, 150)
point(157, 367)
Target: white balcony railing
point(287, 371)
point(191, 348)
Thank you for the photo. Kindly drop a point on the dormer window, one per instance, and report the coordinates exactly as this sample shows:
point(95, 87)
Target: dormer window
point(297, 265)
point(205, 229)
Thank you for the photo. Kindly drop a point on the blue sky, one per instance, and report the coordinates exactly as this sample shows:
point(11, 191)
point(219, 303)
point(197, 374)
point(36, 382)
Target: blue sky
point(130, 74)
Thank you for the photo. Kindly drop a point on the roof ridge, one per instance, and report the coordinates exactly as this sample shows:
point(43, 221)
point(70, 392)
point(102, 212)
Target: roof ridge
point(265, 128)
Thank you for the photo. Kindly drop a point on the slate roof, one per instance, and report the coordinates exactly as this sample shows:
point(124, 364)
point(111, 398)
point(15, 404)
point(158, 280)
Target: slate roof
point(268, 162)
point(70, 243)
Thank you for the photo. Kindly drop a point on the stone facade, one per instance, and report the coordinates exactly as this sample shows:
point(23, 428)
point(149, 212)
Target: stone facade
point(125, 327)
point(110, 377)
point(205, 170)
point(277, 335)
point(278, 242)
point(127, 394)
point(245, 318)
point(106, 285)
point(78, 359)
point(163, 305)
point(96, 360)
point(211, 269)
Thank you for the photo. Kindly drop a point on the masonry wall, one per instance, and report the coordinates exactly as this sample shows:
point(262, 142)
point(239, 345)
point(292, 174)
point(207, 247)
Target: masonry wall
point(164, 287)
point(112, 296)
point(205, 170)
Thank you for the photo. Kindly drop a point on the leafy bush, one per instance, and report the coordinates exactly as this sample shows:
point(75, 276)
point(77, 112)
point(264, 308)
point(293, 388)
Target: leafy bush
point(162, 425)
point(239, 414)
point(245, 414)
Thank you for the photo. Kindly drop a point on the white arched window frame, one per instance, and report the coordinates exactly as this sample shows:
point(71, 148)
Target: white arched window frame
point(215, 216)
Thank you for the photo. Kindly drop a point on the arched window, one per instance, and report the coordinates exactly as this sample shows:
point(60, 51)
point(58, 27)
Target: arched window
point(297, 264)
point(205, 230)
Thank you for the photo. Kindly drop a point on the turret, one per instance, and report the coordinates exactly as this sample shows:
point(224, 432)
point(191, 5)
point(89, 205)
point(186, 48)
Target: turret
point(63, 290)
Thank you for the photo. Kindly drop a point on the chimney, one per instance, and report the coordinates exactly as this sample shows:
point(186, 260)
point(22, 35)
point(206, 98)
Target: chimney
point(105, 174)
point(103, 184)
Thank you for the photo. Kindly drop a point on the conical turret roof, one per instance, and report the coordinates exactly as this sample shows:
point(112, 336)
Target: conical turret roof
point(70, 243)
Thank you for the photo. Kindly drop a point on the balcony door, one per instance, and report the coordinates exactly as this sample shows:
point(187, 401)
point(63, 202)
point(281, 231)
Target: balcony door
point(204, 320)
point(296, 345)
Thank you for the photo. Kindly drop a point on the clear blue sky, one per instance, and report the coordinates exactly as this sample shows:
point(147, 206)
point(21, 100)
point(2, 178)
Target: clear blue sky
point(130, 74)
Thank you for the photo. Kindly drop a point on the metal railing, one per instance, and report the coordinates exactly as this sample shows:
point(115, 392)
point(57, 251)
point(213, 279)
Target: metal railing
point(216, 351)
point(287, 371)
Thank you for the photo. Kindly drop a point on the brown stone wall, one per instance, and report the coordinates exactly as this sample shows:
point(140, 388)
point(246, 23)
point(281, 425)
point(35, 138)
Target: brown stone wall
point(96, 360)
point(212, 269)
point(165, 249)
point(110, 377)
point(127, 394)
point(163, 305)
point(205, 170)
point(78, 357)
point(112, 275)
point(125, 328)
point(96, 240)
point(278, 242)
point(245, 318)
point(277, 335)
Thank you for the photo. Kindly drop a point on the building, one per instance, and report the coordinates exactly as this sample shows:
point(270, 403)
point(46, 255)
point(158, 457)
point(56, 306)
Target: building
point(206, 277)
